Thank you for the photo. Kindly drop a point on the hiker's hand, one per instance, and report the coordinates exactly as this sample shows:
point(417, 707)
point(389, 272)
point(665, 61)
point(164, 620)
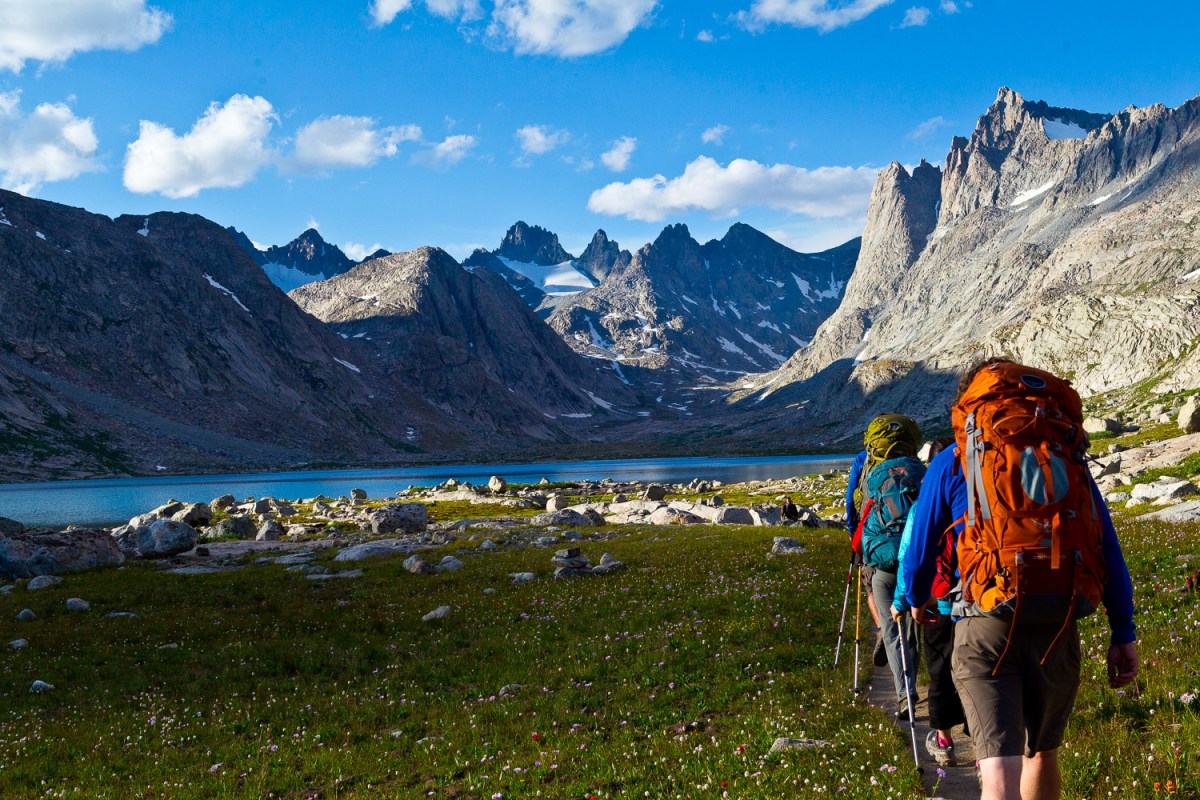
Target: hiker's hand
point(925, 615)
point(897, 614)
point(1122, 664)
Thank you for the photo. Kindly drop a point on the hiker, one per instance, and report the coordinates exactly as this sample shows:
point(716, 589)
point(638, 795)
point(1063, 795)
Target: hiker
point(789, 509)
point(893, 480)
point(945, 706)
point(855, 498)
point(1036, 549)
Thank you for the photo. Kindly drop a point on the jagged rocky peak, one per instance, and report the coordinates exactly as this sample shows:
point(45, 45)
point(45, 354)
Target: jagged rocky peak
point(306, 258)
point(602, 257)
point(532, 244)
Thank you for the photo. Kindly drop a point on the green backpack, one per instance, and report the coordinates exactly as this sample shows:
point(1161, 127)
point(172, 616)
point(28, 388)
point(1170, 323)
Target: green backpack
point(892, 488)
point(888, 436)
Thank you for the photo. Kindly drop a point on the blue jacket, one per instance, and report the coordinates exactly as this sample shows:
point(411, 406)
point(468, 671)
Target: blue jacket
point(944, 500)
point(860, 461)
point(945, 607)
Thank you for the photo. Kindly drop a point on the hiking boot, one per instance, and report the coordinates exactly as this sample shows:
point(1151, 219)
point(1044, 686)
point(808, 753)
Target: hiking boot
point(902, 712)
point(943, 754)
point(879, 654)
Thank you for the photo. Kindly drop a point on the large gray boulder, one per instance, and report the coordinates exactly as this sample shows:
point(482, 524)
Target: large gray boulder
point(222, 503)
point(497, 484)
point(399, 518)
point(557, 502)
point(569, 518)
point(1189, 416)
point(31, 553)
point(8, 527)
point(1169, 489)
point(236, 527)
point(194, 514)
point(1184, 512)
point(270, 531)
point(382, 547)
point(1101, 425)
point(162, 538)
point(734, 515)
point(674, 516)
point(655, 492)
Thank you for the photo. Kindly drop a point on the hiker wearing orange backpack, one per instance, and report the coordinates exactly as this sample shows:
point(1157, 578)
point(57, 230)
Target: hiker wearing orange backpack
point(1036, 549)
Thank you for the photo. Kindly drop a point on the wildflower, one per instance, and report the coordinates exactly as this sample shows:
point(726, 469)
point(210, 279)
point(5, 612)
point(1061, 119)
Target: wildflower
point(536, 737)
point(941, 773)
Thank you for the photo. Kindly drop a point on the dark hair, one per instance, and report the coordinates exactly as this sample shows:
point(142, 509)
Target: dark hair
point(965, 381)
point(939, 444)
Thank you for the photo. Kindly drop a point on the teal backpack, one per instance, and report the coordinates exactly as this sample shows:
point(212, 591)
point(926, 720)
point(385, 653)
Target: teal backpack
point(892, 488)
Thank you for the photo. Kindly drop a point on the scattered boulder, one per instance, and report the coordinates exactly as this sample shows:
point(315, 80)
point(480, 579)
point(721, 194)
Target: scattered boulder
point(771, 515)
point(168, 509)
point(497, 484)
point(571, 557)
point(441, 612)
point(78, 604)
point(1184, 512)
point(40, 687)
point(734, 515)
point(223, 503)
point(716, 501)
point(237, 526)
point(162, 538)
point(262, 506)
point(1113, 498)
point(193, 514)
point(449, 564)
point(508, 690)
point(325, 576)
point(419, 566)
point(1168, 489)
point(522, 577)
point(675, 516)
point(43, 582)
point(1101, 425)
point(381, 547)
point(607, 565)
point(569, 517)
point(487, 544)
point(30, 553)
point(572, 572)
point(399, 517)
point(786, 546)
point(26, 615)
point(270, 531)
point(556, 502)
point(655, 492)
point(358, 495)
point(10, 527)
point(17, 644)
point(783, 744)
point(1189, 416)
point(1100, 469)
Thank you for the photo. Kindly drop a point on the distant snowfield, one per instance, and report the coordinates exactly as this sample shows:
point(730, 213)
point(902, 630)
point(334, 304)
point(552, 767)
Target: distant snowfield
point(1057, 129)
point(288, 278)
point(557, 279)
point(1025, 197)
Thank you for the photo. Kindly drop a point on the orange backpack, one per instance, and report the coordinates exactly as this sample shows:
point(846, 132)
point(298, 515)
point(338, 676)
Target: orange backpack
point(1031, 548)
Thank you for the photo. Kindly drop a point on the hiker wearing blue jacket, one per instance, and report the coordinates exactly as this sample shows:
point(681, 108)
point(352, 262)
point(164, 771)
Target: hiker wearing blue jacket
point(1017, 707)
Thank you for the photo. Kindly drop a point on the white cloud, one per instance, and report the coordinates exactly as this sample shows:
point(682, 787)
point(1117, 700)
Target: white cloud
point(54, 30)
point(225, 148)
point(616, 158)
point(949, 7)
point(715, 135)
point(825, 192)
point(312, 224)
point(539, 139)
point(447, 152)
point(705, 36)
point(915, 17)
point(566, 28)
point(823, 15)
point(341, 141)
point(927, 127)
point(383, 12)
point(48, 144)
point(358, 252)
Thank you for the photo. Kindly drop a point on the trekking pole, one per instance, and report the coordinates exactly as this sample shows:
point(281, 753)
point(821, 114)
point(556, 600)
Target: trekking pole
point(857, 626)
point(845, 602)
point(912, 719)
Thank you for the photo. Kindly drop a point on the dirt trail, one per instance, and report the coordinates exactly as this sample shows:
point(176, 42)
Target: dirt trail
point(959, 782)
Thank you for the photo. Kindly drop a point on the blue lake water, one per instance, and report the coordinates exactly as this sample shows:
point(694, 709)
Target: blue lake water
point(114, 501)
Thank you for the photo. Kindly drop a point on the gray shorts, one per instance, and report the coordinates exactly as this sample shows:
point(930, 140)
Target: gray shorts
point(868, 574)
point(1023, 709)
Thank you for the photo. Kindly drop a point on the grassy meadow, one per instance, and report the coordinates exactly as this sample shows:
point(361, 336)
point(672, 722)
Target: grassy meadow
point(668, 680)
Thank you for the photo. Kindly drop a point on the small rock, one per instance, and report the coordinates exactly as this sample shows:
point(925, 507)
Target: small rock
point(39, 687)
point(122, 615)
point(1112, 498)
point(1101, 425)
point(783, 744)
point(489, 590)
point(325, 576)
point(497, 484)
point(222, 503)
point(383, 547)
point(17, 644)
point(418, 566)
point(572, 572)
point(202, 551)
point(441, 612)
point(655, 492)
point(716, 501)
point(43, 582)
point(786, 545)
point(487, 544)
point(78, 604)
point(1189, 416)
point(522, 577)
point(26, 615)
point(509, 689)
point(358, 495)
point(270, 531)
point(399, 517)
point(450, 564)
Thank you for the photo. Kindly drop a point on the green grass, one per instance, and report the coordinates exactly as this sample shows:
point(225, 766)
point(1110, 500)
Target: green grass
point(667, 680)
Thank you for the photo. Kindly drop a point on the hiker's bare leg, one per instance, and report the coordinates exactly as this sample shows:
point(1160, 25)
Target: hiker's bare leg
point(1040, 778)
point(874, 610)
point(1001, 778)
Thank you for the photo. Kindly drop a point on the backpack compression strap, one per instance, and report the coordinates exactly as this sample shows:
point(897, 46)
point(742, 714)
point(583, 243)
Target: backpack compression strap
point(974, 472)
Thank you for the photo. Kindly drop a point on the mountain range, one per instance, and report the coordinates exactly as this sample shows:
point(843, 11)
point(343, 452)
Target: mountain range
point(1064, 238)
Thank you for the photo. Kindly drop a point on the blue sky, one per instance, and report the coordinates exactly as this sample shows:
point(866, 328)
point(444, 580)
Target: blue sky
point(410, 122)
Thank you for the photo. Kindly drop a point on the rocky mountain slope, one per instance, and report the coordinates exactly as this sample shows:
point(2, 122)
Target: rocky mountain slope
point(471, 345)
point(147, 342)
point(532, 262)
point(305, 259)
point(1065, 239)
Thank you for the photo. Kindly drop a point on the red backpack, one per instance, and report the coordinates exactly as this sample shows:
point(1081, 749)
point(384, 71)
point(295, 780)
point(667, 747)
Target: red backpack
point(1031, 549)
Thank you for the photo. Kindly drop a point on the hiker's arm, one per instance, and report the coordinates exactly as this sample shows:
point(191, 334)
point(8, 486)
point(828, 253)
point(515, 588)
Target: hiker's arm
point(1118, 592)
point(930, 517)
point(899, 602)
point(852, 483)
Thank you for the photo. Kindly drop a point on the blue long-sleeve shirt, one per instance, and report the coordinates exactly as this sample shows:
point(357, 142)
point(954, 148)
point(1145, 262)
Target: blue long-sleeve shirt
point(900, 598)
point(860, 463)
point(944, 500)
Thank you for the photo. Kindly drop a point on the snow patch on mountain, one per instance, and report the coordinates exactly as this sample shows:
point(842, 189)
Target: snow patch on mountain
point(1057, 129)
point(288, 278)
point(1025, 197)
point(218, 286)
point(560, 280)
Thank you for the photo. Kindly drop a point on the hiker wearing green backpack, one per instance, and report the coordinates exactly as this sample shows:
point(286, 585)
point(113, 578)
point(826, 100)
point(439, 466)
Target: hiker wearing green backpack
point(891, 482)
point(1035, 549)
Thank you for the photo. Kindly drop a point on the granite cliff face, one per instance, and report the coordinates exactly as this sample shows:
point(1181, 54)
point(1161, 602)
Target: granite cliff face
point(1061, 238)
point(469, 342)
point(147, 342)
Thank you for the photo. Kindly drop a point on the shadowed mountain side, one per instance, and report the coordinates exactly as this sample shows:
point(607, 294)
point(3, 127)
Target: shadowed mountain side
point(468, 342)
point(165, 319)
